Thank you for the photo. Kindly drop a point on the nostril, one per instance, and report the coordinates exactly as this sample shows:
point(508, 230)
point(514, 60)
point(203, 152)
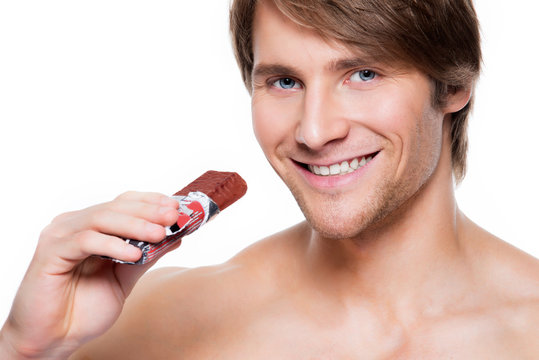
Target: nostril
point(315, 133)
point(312, 137)
point(299, 138)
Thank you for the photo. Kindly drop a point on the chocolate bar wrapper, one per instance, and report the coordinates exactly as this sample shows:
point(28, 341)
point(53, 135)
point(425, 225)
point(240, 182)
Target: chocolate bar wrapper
point(195, 210)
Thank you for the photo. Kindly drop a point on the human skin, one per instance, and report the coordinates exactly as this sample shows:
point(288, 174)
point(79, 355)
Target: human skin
point(398, 272)
point(68, 297)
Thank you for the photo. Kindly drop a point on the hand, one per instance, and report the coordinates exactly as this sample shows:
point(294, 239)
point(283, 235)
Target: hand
point(67, 296)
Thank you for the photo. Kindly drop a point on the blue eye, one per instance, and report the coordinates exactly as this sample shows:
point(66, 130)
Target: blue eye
point(286, 83)
point(363, 75)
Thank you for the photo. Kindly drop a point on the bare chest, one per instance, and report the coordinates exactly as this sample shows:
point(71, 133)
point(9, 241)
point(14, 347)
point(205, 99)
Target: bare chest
point(291, 338)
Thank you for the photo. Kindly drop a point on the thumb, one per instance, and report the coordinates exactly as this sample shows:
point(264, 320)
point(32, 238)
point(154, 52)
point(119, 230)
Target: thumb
point(128, 275)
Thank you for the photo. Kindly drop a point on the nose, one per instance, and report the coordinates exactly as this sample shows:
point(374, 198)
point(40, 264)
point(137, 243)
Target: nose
point(321, 122)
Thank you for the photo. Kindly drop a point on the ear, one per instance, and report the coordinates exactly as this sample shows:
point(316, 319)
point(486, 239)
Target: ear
point(457, 98)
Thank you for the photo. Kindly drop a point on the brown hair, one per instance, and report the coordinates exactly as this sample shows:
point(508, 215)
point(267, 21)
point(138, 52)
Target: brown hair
point(438, 37)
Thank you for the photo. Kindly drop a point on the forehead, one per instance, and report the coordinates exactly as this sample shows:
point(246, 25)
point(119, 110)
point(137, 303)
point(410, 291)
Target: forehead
point(277, 38)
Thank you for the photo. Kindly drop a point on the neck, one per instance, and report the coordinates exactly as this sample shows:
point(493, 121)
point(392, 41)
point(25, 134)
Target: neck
point(414, 259)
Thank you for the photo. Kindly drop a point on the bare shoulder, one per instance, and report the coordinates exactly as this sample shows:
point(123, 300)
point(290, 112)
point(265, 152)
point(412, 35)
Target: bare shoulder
point(508, 269)
point(171, 310)
point(510, 281)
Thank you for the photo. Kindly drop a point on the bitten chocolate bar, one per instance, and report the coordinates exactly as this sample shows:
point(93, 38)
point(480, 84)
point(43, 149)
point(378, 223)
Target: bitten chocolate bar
point(199, 202)
point(224, 188)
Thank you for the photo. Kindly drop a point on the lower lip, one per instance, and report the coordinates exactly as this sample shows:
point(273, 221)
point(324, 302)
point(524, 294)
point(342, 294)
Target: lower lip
point(333, 181)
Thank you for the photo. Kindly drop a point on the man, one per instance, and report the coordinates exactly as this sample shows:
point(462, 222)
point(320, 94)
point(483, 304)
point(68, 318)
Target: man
point(368, 133)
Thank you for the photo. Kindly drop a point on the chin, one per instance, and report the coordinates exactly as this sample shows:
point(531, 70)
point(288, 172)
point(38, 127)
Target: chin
point(341, 217)
point(352, 216)
point(374, 203)
point(339, 229)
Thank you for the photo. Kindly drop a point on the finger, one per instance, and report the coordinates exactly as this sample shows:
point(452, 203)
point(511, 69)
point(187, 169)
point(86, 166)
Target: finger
point(148, 197)
point(95, 217)
point(159, 209)
point(158, 214)
point(89, 242)
point(128, 275)
point(118, 224)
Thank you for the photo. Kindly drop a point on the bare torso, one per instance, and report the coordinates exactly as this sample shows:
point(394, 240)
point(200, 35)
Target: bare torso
point(263, 304)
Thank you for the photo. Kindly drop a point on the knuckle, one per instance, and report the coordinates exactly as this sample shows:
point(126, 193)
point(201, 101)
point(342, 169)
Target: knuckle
point(97, 217)
point(112, 206)
point(140, 225)
point(153, 211)
point(56, 228)
point(126, 195)
point(62, 217)
point(85, 239)
point(48, 234)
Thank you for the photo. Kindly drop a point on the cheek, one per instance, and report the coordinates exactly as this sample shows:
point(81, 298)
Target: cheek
point(405, 120)
point(272, 123)
point(385, 111)
point(415, 130)
point(388, 114)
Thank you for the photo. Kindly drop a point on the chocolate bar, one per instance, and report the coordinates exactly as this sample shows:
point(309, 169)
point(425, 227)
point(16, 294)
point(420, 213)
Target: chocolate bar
point(224, 188)
point(199, 201)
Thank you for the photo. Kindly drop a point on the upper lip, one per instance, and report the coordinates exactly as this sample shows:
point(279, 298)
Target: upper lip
point(331, 161)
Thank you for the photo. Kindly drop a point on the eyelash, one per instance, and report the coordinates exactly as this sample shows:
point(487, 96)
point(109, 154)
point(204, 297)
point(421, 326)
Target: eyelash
point(278, 83)
point(363, 71)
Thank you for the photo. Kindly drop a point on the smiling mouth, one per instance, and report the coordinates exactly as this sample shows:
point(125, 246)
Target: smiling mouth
point(342, 168)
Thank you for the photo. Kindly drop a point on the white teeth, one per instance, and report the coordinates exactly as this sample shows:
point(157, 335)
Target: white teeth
point(324, 170)
point(344, 167)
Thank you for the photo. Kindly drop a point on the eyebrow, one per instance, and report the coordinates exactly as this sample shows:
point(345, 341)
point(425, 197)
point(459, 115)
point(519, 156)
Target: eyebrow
point(262, 70)
point(348, 63)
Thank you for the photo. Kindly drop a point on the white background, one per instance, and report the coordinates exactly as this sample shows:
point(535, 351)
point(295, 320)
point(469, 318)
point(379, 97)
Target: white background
point(100, 97)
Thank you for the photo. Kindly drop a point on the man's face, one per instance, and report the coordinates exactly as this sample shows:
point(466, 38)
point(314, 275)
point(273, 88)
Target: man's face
point(352, 139)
